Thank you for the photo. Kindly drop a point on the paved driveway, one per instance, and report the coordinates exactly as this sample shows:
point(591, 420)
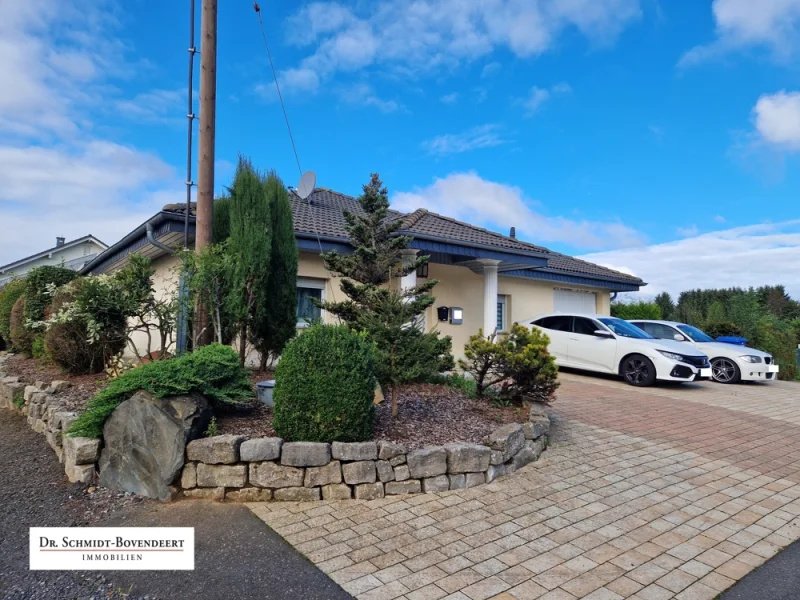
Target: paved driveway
point(672, 492)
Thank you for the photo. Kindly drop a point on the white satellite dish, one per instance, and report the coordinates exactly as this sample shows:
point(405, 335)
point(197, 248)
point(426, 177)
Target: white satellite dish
point(307, 183)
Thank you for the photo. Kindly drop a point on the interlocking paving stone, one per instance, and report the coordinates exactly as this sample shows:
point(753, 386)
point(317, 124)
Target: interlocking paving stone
point(647, 494)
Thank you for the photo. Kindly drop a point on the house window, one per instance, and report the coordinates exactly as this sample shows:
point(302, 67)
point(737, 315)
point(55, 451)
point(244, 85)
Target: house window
point(422, 271)
point(501, 313)
point(307, 290)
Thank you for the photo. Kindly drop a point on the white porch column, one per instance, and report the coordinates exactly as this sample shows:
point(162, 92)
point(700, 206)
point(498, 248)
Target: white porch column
point(489, 295)
point(409, 281)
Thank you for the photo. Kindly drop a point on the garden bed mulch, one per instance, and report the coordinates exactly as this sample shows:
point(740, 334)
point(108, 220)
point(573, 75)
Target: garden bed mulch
point(82, 388)
point(429, 415)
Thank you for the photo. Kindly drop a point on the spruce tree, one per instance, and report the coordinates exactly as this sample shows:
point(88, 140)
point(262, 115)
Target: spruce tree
point(277, 322)
point(377, 305)
point(250, 246)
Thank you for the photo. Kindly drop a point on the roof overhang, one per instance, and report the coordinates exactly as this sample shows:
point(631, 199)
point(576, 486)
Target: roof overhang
point(575, 279)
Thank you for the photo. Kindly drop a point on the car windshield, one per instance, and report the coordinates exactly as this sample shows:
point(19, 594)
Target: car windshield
point(625, 329)
point(695, 333)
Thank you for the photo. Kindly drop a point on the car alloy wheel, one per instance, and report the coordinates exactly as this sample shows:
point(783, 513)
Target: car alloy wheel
point(724, 370)
point(638, 371)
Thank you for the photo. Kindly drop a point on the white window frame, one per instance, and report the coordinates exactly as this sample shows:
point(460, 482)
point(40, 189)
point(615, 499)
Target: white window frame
point(502, 300)
point(312, 283)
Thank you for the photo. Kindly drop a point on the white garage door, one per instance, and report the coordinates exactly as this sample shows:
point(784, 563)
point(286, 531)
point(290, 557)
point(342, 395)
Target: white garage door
point(573, 301)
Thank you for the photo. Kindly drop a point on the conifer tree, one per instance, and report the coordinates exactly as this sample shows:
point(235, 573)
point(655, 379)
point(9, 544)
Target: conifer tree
point(377, 305)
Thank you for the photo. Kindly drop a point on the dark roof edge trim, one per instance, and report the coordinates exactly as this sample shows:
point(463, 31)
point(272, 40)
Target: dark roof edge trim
point(564, 277)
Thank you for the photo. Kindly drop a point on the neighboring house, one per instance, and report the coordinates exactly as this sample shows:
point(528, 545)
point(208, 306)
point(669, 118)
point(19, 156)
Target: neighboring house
point(492, 280)
point(73, 255)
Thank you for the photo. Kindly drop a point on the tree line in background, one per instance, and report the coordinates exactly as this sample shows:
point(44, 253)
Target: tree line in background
point(766, 316)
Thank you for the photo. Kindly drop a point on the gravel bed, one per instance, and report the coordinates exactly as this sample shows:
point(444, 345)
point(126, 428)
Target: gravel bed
point(429, 415)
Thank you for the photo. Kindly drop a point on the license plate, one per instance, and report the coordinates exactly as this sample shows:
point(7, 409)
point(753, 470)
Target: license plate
point(705, 372)
point(773, 368)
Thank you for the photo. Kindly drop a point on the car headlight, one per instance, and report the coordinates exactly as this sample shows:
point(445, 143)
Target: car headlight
point(673, 356)
point(750, 358)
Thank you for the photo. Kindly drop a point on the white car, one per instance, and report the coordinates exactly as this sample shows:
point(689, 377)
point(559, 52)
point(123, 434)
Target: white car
point(610, 345)
point(730, 363)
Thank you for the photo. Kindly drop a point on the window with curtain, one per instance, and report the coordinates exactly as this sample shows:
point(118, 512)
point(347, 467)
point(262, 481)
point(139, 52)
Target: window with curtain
point(307, 290)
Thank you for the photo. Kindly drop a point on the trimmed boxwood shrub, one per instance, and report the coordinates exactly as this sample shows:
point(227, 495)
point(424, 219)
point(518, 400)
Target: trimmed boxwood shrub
point(38, 284)
point(325, 387)
point(212, 371)
point(21, 338)
point(9, 294)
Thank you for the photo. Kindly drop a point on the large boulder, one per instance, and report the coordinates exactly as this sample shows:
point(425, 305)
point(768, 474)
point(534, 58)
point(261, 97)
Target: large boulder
point(145, 442)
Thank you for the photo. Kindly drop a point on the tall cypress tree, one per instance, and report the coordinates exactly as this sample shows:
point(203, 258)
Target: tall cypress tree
point(250, 245)
point(277, 322)
point(376, 304)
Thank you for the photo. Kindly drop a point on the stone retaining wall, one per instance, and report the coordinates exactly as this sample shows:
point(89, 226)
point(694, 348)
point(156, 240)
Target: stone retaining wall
point(235, 468)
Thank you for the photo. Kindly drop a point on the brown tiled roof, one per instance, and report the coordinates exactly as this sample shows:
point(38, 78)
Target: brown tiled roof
point(323, 214)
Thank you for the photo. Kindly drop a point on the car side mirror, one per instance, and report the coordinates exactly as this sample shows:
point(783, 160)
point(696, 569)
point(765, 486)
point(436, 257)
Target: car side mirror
point(678, 337)
point(603, 333)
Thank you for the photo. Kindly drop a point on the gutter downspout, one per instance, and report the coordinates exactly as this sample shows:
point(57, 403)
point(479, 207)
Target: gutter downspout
point(183, 294)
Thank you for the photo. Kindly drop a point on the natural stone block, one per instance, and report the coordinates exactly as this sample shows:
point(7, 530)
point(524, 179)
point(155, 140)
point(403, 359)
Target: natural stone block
point(234, 476)
point(385, 471)
point(496, 458)
point(145, 442)
point(59, 418)
point(251, 494)
point(67, 421)
point(508, 438)
point(330, 473)
point(57, 386)
point(440, 483)
point(39, 397)
point(39, 426)
point(475, 479)
point(494, 472)
point(273, 475)
point(368, 491)
point(537, 410)
point(525, 456)
point(354, 451)
point(467, 458)
point(359, 472)
point(79, 473)
point(400, 459)
point(457, 481)
point(41, 385)
point(205, 493)
point(428, 462)
point(34, 411)
point(535, 429)
point(336, 491)
point(297, 494)
point(388, 450)
point(189, 476)
point(216, 450)
point(260, 449)
point(411, 486)
point(54, 439)
point(29, 391)
point(305, 454)
point(401, 473)
point(81, 450)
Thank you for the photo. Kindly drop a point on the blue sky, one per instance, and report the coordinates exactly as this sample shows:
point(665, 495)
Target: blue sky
point(656, 137)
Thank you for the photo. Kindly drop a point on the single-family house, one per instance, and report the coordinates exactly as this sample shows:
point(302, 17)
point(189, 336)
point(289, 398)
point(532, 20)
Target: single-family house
point(486, 280)
point(73, 255)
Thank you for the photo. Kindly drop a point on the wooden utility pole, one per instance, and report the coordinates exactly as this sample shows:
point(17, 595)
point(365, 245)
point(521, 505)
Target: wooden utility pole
point(205, 169)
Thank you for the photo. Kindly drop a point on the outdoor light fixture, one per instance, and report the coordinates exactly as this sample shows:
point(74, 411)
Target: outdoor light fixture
point(422, 271)
point(456, 315)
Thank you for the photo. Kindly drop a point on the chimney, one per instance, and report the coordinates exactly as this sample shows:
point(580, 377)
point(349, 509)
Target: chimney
point(513, 233)
point(59, 242)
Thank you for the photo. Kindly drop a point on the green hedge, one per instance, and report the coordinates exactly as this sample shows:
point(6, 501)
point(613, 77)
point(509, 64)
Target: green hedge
point(212, 371)
point(37, 294)
point(636, 310)
point(325, 387)
point(21, 337)
point(9, 294)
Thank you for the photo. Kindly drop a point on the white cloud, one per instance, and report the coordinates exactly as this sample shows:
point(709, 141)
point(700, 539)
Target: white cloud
point(362, 94)
point(777, 119)
point(719, 219)
point(742, 24)
point(59, 179)
point(450, 98)
point(689, 231)
point(538, 96)
point(470, 198)
point(754, 255)
point(155, 106)
point(483, 136)
point(426, 35)
point(491, 69)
